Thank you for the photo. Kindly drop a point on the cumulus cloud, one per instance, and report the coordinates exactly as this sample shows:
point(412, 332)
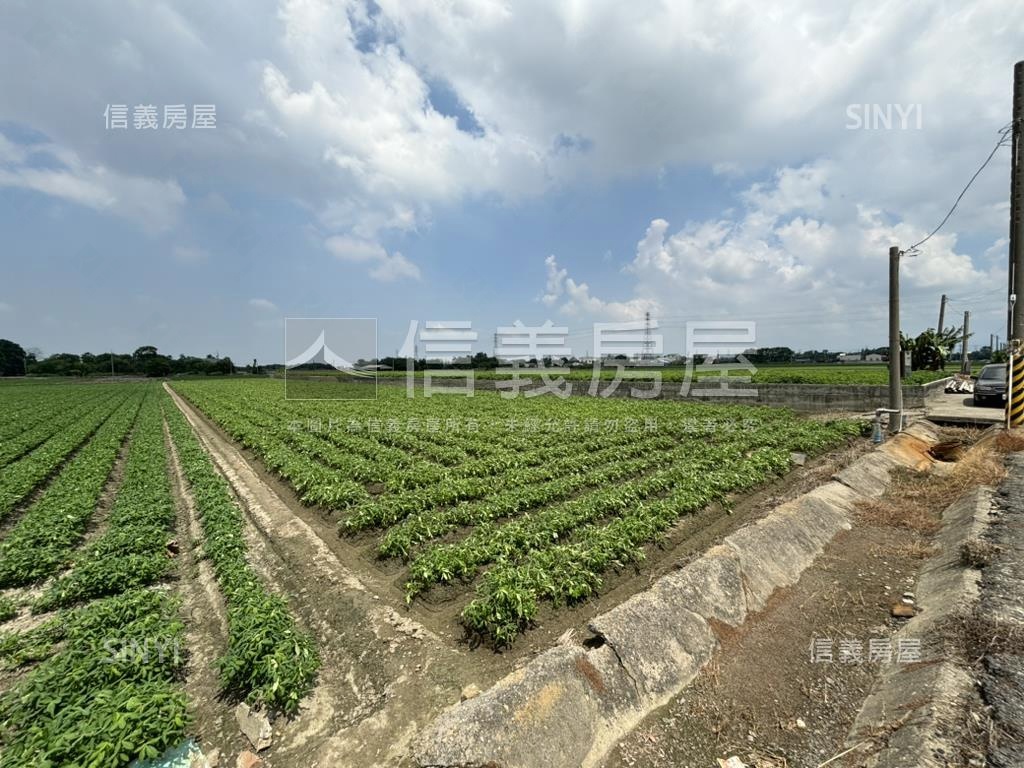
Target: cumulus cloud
point(791, 256)
point(334, 103)
point(385, 267)
point(556, 281)
point(576, 299)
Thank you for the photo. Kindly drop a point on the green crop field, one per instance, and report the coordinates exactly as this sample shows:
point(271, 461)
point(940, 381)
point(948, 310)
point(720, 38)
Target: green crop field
point(519, 500)
point(96, 677)
point(847, 373)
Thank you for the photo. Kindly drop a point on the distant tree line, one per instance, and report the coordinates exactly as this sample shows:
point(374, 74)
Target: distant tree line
point(144, 361)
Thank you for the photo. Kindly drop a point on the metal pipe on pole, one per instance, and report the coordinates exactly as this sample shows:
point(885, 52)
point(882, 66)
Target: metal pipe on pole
point(895, 353)
point(942, 313)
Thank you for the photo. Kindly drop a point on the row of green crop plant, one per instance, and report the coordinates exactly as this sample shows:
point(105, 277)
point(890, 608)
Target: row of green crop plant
point(100, 683)
point(250, 420)
point(132, 549)
point(509, 594)
point(269, 660)
point(259, 418)
point(365, 459)
point(40, 543)
point(606, 527)
point(34, 415)
point(854, 374)
point(528, 459)
point(26, 406)
point(315, 483)
point(533, 491)
point(490, 542)
point(103, 689)
point(20, 478)
point(780, 431)
point(388, 510)
point(17, 446)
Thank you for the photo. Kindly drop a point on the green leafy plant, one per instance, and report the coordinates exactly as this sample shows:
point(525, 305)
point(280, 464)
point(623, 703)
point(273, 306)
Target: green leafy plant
point(269, 660)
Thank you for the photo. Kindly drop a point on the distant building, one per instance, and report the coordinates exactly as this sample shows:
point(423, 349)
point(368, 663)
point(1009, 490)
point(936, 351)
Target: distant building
point(850, 357)
point(874, 357)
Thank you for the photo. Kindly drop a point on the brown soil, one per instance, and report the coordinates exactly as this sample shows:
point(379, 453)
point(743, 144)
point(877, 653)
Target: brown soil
point(205, 617)
point(383, 675)
point(762, 680)
point(763, 698)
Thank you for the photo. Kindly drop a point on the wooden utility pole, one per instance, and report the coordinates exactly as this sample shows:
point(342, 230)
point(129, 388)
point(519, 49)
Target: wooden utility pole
point(942, 313)
point(965, 361)
point(895, 353)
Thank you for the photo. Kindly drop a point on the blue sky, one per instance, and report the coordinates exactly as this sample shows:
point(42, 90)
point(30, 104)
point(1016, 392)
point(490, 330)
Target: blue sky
point(493, 161)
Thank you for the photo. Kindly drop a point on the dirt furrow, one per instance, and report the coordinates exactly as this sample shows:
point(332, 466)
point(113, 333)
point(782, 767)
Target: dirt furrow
point(206, 623)
point(383, 676)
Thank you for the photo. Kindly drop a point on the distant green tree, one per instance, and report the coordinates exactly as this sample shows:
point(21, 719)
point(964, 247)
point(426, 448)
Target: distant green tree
point(13, 360)
point(157, 366)
point(930, 350)
point(771, 355)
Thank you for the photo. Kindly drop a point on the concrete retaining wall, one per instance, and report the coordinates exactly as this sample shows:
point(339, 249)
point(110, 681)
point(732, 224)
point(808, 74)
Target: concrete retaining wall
point(571, 704)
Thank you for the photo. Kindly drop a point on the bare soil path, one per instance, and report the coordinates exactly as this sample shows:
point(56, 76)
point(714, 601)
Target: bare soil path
point(383, 675)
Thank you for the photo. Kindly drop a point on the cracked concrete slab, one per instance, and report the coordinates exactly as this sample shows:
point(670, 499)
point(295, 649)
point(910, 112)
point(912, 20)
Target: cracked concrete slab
point(711, 587)
point(662, 650)
point(562, 703)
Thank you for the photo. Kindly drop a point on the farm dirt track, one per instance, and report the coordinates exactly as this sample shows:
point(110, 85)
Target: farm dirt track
point(385, 674)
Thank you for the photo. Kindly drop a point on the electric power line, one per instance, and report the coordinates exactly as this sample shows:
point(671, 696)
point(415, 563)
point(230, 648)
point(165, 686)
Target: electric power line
point(1003, 135)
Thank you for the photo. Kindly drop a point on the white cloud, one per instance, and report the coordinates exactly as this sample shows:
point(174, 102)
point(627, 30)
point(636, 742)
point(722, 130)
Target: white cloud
point(556, 281)
point(384, 266)
point(775, 261)
point(263, 305)
point(5, 307)
point(577, 300)
point(152, 203)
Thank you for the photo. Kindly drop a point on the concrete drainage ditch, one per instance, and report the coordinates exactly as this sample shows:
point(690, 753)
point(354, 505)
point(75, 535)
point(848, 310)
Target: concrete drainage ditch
point(577, 699)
